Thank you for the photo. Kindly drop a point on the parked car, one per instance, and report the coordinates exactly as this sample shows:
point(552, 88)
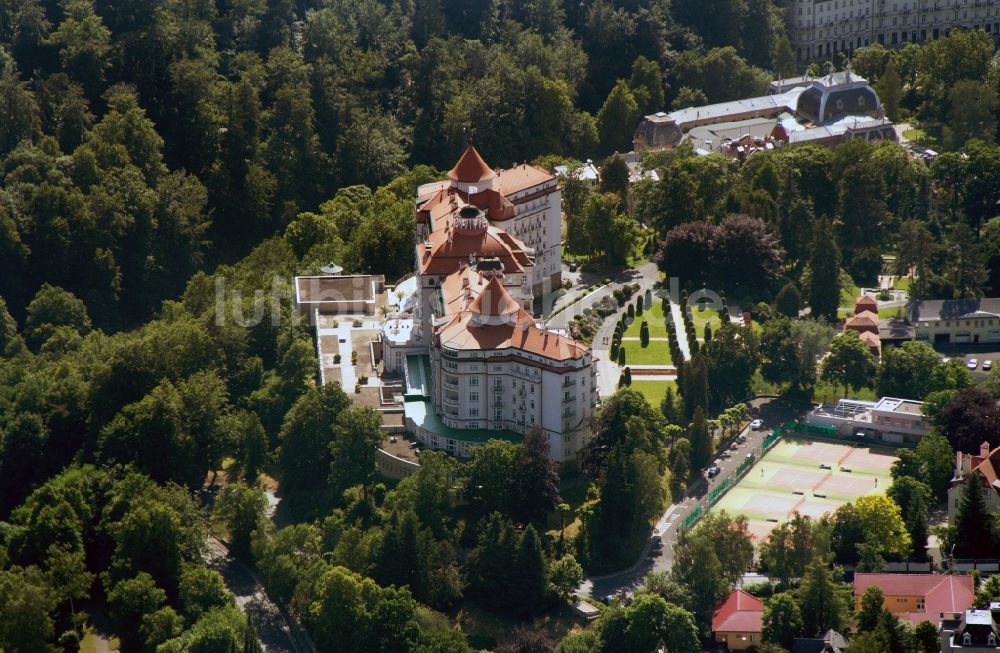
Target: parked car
point(572, 266)
point(655, 542)
point(713, 470)
point(987, 365)
point(972, 363)
point(756, 424)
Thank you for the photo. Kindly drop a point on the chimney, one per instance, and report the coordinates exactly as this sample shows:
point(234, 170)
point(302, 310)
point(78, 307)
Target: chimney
point(984, 449)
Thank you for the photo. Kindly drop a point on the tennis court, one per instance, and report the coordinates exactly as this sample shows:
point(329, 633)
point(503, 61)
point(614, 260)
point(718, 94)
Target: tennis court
point(808, 477)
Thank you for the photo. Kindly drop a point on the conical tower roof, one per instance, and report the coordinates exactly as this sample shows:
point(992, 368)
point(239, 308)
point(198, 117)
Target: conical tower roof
point(493, 305)
point(471, 168)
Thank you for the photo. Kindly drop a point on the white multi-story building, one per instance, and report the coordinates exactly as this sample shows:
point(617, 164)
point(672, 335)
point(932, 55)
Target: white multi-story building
point(525, 201)
point(822, 28)
point(477, 365)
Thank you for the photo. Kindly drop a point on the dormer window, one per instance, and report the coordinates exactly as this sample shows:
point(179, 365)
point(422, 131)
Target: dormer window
point(966, 639)
point(991, 640)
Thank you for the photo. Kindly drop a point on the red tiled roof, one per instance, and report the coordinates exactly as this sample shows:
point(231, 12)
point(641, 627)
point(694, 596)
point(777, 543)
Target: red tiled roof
point(522, 177)
point(941, 593)
point(471, 168)
point(866, 303)
point(494, 301)
point(739, 613)
point(447, 254)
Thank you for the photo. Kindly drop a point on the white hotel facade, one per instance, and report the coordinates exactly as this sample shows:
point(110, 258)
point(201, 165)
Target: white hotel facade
point(819, 29)
point(477, 365)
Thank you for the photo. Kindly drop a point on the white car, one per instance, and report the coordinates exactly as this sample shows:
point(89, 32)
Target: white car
point(756, 424)
point(972, 363)
point(987, 365)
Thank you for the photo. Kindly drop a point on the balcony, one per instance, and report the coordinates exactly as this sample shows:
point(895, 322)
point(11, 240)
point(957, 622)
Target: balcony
point(569, 413)
point(568, 383)
point(452, 385)
point(569, 398)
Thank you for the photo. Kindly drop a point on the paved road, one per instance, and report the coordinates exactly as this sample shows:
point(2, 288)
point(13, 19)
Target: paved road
point(645, 275)
point(667, 528)
point(273, 631)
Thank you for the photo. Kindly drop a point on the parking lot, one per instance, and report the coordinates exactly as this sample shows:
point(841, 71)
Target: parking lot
point(968, 353)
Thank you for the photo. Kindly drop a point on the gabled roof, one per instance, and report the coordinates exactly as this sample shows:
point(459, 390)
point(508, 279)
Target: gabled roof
point(866, 303)
point(953, 309)
point(942, 594)
point(471, 168)
point(739, 613)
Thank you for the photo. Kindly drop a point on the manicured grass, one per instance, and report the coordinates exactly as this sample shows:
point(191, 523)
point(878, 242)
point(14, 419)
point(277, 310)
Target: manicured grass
point(656, 353)
point(828, 394)
point(848, 295)
point(902, 283)
point(700, 317)
point(654, 317)
point(653, 391)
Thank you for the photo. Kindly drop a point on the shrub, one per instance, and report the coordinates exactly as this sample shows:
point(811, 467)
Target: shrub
point(628, 375)
point(644, 334)
point(354, 358)
point(357, 388)
point(363, 380)
point(621, 356)
point(708, 332)
point(638, 306)
point(336, 359)
point(631, 311)
point(357, 324)
point(619, 296)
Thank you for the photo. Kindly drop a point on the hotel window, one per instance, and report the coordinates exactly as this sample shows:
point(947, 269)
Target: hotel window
point(473, 396)
point(474, 380)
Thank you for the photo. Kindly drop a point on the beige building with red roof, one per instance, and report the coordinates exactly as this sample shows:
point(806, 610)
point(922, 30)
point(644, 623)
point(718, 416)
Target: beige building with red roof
point(738, 622)
point(476, 364)
point(919, 597)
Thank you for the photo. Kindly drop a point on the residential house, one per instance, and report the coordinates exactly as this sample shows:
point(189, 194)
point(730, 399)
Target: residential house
point(865, 323)
point(975, 631)
point(919, 597)
point(738, 622)
point(982, 468)
point(830, 642)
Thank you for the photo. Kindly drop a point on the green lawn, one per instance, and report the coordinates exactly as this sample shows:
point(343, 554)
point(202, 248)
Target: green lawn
point(700, 317)
point(902, 283)
point(848, 295)
point(657, 353)
point(653, 391)
point(653, 316)
point(828, 394)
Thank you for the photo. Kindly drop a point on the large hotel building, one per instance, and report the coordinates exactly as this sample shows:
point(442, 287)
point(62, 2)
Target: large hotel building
point(822, 28)
point(477, 365)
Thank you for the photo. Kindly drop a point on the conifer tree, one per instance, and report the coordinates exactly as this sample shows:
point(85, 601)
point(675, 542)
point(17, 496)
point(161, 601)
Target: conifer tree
point(974, 534)
point(824, 265)
point(701, 441)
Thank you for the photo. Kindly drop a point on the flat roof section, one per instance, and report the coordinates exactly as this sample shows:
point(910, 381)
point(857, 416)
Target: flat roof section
point(335, 288)
point(418, 377)
point(421, 412)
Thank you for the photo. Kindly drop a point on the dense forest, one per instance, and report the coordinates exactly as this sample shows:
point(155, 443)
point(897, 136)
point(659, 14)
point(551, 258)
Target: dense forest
point(153, 151)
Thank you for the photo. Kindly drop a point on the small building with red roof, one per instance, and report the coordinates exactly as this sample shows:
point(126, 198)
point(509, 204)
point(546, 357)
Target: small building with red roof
point(919, 597)
point(865, 323)
point(738, 622)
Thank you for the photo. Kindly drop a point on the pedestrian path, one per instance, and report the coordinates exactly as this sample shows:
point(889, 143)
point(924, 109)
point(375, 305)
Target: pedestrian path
point(682, 340)
point(634, 339)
